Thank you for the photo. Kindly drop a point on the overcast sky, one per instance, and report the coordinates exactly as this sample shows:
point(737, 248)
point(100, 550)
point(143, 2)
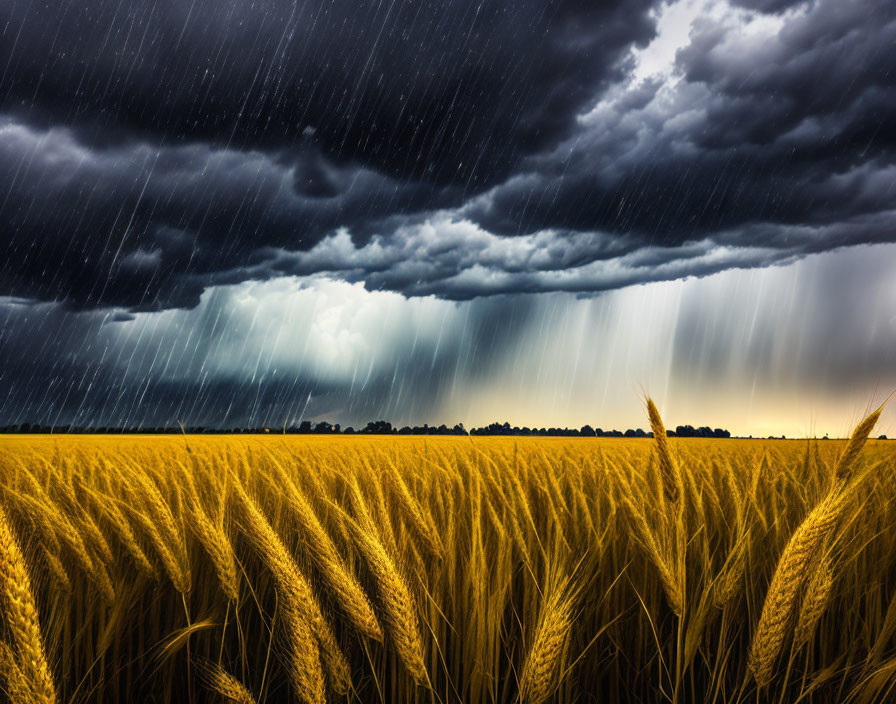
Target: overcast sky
point(229, 213)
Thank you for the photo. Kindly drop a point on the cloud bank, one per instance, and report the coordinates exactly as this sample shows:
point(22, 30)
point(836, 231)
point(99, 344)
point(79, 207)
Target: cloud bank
point(155, 150)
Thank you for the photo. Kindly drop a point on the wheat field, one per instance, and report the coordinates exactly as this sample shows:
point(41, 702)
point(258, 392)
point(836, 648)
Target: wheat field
point(475, 570)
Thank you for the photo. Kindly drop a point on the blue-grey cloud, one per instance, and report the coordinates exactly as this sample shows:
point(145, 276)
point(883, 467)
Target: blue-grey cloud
point(440, 91)
point(152, 152)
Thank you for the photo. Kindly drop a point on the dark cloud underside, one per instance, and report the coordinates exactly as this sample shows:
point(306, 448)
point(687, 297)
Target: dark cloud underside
point(155, 149)
point(451, 92)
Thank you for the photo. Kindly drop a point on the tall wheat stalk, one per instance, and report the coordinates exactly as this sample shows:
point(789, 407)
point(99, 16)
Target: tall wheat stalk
point(541, 674)
point(295, 595)
point(345, 587)
point(781, 601)
point(398, 606)
point(31, 673)
point(671, 477)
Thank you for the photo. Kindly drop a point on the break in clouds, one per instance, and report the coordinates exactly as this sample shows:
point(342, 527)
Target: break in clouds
point(255, 211)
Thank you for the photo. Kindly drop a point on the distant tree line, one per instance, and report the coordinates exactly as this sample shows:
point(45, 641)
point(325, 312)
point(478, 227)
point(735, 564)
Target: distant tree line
point(586, 431)
point(379, 427)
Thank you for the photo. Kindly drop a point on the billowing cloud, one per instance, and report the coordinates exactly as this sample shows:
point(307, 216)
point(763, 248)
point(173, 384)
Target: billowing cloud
point(153, 151)
point(149, 227)
point(786, 123)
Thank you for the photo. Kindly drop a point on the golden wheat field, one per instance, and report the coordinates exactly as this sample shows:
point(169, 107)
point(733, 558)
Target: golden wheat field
point(475, 570)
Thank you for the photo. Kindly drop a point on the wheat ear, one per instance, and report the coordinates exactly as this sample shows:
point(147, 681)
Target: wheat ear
point(794, 564)
point(213, 538)
point(671, 478)
point(22, 619)
point(815, 600)
point(412, 512)
point(294, 593)
point(228, 686)
point(398, 605)
point(541, 671)
point(347, 590)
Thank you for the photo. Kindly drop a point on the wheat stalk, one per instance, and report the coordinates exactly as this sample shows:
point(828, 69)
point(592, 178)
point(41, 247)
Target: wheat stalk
point(228, 686)
point(412, 512)
point(781, 599)
point(542, 669)
point(793, 565)
point(398, 606)
point(213, 539)
point(850, 454)
point(726, 585)
point(17, 686)
point(671, 477)
point(33, 672)
point(162, 529)
point(115, 517)
point(57, 569)
point(348, 592)
point(306, 672)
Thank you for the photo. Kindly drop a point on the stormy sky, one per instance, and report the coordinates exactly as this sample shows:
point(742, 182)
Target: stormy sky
point(226, 212)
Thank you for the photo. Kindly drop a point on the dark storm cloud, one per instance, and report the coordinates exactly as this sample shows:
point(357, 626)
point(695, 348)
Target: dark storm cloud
point(153, 150)
point(449, 92)
point(794, 129)
point(150, 227)
point(156, 148)
point(457, 260)
point(769, 5)
point(829, 71)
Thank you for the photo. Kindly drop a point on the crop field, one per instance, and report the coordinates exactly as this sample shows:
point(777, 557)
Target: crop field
point(479, 570)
